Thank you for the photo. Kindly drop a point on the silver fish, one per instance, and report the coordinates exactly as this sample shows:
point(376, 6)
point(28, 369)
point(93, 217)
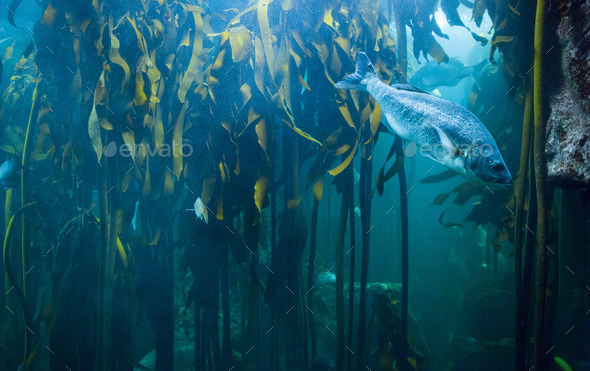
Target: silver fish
point(8, 174)
point(446, 132)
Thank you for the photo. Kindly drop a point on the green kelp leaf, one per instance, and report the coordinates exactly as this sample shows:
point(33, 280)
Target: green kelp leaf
point(260, 191)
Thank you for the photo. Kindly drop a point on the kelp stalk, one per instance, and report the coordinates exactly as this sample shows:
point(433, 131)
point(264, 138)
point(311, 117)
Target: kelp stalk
point(103, 208)
point(521, 320)
point(12, 277)
point(365, 206)
point(24, 197)
point(344, 206)
point(310, 274)
point(352, 264)
point(540, 163)
point(403, 194)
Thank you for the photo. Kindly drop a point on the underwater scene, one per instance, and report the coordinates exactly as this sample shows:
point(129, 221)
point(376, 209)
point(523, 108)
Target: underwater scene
point(295, 185)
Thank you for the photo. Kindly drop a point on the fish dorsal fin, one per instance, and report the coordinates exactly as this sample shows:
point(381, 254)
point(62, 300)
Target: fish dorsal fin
point(408, 87)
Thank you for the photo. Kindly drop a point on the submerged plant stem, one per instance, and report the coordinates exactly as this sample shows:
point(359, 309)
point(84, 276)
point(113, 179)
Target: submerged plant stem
point(521, 320)
point(540, 180)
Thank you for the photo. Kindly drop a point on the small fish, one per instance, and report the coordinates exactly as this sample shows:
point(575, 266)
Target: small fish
point(446, 132)
point(200, 210)
point(434, 74)
point(8, 174)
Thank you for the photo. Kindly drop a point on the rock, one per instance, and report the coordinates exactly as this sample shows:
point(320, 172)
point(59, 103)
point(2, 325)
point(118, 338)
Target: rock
point(568, 147)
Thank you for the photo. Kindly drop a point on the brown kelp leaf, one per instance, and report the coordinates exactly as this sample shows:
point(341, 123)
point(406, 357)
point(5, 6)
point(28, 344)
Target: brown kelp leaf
point(292, 204)
point(447, 174)
point(12, 11)
point(375, 118)
point(448, 225)
point(195, 63)
point(260, 190)
point(479, 9)
point(177, 141)
point(340, 168)
point(240, 42)
point(261, 133)
point(262, 14)
point(48, 15)
point(501, 39)
point(440, 199)
point(318, 189)
point(346, 114)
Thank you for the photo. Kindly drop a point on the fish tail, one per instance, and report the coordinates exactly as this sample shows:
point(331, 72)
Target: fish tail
point(477, 69)
point(363, 73)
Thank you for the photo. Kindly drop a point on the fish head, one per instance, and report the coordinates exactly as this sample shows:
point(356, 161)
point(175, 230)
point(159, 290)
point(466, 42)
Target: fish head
point(484, 165)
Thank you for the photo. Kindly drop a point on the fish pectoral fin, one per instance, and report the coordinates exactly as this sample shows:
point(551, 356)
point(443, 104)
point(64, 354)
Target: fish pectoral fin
point(448, 144)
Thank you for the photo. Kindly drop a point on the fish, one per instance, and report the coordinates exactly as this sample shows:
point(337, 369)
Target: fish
point(444, 131)
point(8, 174)
point(433, 74)
point(201, 210)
